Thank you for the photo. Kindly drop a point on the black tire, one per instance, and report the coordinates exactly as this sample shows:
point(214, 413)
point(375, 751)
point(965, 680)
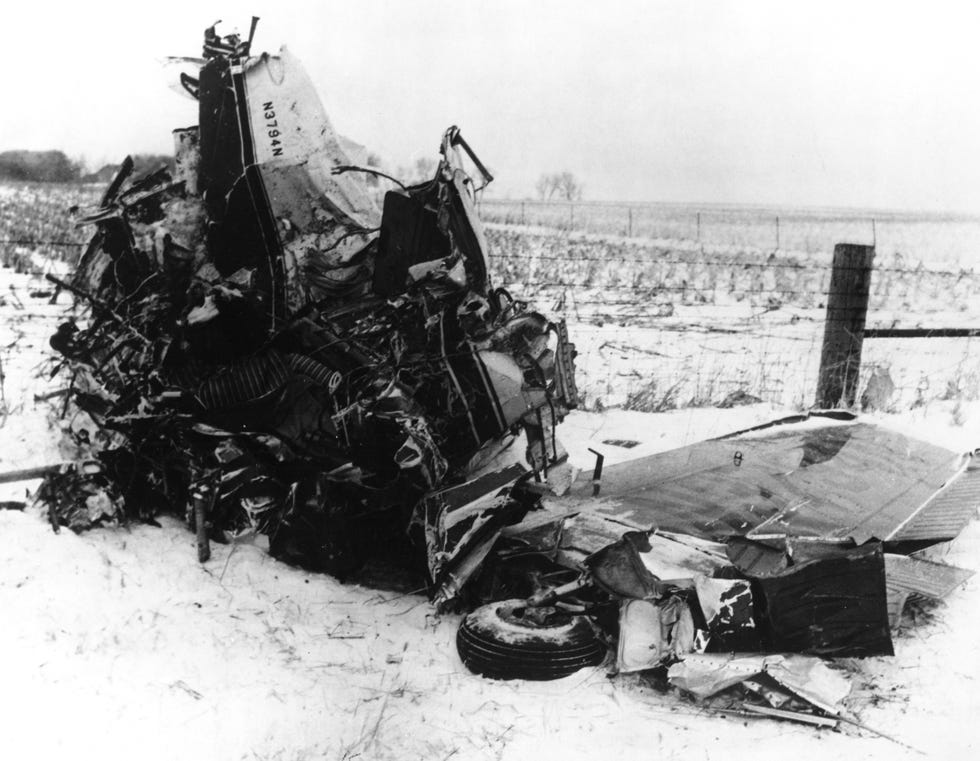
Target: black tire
point(498, 642)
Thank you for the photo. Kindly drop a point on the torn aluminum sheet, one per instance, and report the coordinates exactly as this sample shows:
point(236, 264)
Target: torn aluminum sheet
point(704, 675)
point(818, 477)
point(461, 524)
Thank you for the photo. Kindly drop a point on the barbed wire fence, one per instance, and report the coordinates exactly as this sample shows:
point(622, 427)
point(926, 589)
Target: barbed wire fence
point(932, 238)
point(660, 326)
point(663, 320)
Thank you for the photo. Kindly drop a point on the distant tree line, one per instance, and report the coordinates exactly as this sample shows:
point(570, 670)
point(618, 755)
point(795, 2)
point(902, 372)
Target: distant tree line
point(39, 166)
point(55, 166)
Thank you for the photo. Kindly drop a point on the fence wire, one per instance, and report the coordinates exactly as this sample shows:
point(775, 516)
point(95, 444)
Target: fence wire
point(930, 237)
point(659, 328)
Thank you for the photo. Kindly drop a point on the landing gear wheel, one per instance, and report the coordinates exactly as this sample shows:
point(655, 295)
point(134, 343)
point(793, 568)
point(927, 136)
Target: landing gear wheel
point(508, 640)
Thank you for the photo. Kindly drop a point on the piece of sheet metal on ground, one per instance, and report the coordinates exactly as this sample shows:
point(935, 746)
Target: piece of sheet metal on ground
point(840, 481)
point(923, 577)
point(912, 577)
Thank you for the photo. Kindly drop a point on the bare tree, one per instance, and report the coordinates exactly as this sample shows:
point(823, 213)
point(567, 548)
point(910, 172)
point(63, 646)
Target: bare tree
point(543, 187)
point(563, 186)
point(569, 188)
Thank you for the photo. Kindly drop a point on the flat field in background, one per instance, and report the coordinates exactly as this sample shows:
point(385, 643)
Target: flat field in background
point(935, 239)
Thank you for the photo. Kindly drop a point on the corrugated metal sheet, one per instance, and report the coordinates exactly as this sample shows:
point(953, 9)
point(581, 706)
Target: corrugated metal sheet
point(945, 515)
point(912, 575)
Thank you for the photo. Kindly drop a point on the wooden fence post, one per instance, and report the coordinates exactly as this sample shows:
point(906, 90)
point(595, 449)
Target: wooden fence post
point(847, 309)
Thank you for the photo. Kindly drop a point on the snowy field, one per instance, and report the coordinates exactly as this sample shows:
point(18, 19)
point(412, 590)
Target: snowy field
point(118, 644)
point(947, 238)
point(666, 323)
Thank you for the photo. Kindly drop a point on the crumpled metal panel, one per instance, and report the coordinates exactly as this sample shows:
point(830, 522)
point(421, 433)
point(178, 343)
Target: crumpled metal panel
point(324, 221)
point(461, 523)
point(705, 675)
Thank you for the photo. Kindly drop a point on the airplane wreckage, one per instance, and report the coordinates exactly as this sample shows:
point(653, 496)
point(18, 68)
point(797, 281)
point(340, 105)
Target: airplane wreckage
point(264, 352)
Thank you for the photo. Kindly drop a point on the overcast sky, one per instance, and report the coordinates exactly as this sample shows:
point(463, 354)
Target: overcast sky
point(833, 104)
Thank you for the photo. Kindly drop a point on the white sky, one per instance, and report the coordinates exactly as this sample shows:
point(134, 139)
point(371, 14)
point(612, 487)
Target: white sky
point(838, 103)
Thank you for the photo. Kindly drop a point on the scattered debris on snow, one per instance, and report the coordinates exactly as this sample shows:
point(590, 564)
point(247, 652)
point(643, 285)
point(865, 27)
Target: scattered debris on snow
point(260, 351)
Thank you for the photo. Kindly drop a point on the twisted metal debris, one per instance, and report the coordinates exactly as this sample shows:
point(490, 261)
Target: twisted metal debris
point(265, 352)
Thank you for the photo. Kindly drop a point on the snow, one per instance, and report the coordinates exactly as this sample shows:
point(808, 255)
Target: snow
point(118, 644)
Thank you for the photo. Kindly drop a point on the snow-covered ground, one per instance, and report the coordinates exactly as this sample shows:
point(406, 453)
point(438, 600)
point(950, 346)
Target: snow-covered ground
point(118, 644)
